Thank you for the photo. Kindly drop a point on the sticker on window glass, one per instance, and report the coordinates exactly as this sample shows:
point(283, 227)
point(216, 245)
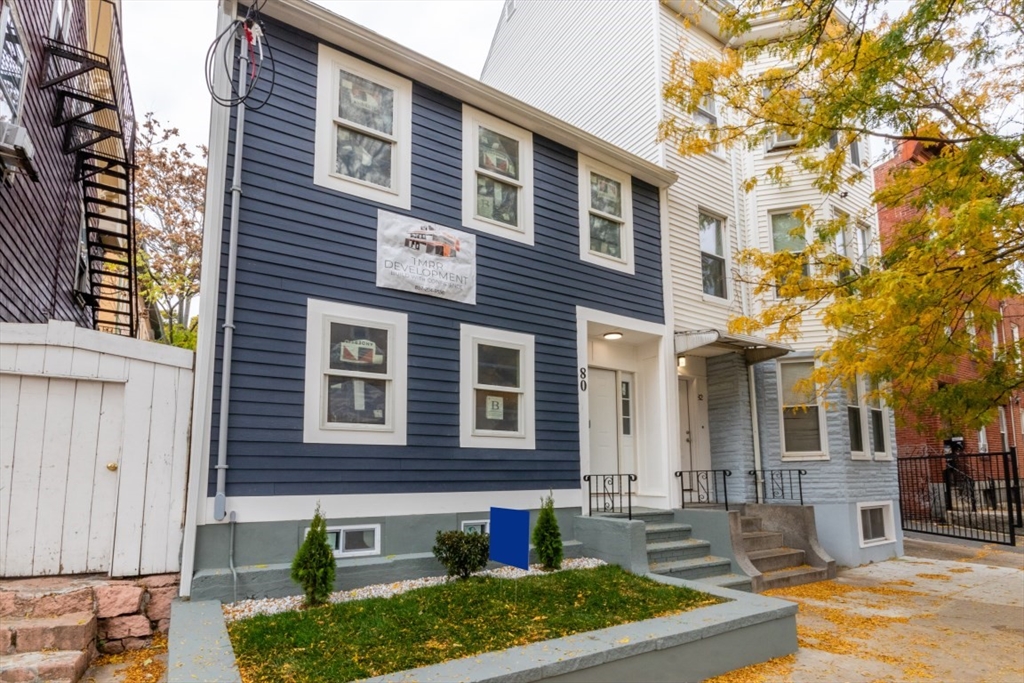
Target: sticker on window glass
point(495, 408)
point(359, 348)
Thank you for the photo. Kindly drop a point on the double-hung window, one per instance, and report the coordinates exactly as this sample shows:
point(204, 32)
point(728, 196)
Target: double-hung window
point(496, 389)
point(866, 416)
point(363, 129)
point(355, 374)
point(787, 235)
point(864, 248)
point(802, 417)
point(606, 216)
point(712, 254)
point(855, 421)
point(13, 64)
point(497, 176)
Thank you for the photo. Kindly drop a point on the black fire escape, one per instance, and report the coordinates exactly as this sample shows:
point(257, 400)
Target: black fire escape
point(93, 106)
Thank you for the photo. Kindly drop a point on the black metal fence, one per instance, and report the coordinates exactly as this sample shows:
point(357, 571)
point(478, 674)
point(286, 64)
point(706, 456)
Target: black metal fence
point(962, 495)
point(607, 493)
point(704, 487)
point(780, 486)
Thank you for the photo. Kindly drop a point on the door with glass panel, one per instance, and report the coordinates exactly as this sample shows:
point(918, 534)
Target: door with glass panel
point(612, 422)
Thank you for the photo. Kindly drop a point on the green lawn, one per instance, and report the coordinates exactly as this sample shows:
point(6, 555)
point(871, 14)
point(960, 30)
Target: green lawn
point(372, 637)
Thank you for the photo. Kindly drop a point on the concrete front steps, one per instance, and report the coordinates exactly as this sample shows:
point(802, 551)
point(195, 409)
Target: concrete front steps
point(672, 552)
point(46, 634)
point(780, 566)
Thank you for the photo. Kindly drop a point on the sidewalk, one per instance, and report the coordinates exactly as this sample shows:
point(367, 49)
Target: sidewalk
point(950, 612)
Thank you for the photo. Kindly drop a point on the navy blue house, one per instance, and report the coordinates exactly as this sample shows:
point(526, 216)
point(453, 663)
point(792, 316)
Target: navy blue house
point(444, 300)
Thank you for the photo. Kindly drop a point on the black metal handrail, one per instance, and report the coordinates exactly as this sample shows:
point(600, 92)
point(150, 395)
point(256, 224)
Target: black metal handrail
point(610, 492)
point(704, 485)
point(778, 484)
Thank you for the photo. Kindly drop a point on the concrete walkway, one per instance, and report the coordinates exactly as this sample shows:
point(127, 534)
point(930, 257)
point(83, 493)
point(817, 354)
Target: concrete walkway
point(947, 612)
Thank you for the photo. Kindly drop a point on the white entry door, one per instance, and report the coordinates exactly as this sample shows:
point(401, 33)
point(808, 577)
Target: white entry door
point(612, 422)
point(685, 436)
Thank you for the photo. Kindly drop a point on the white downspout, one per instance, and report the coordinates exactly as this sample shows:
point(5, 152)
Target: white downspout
point(758, 465)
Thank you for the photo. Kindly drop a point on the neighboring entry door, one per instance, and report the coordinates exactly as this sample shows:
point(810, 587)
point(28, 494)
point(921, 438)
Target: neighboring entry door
point(685, 437)
point(612, 422)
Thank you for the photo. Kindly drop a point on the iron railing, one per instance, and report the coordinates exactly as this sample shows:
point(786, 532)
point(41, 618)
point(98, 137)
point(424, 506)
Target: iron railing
point(702, 487)
point(974, 496)
point(780, 485)
point(609, 491)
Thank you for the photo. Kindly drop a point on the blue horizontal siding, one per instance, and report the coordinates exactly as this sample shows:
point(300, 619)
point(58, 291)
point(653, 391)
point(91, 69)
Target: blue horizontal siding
point(298, 241)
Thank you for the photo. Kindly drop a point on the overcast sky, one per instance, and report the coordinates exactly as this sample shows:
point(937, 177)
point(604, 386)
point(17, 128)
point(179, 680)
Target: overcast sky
point(165, 45)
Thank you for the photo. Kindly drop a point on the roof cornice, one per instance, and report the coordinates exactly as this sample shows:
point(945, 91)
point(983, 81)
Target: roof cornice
point(339, 31)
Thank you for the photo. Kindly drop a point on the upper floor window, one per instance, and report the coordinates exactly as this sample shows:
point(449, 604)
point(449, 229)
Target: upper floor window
point(355, 374)
point(497, 176)
point(60, 21)
point(864, 248)
point(867, 421)
point(787, 235)
point(606, 216)
point(802, 418)
point(13, 64)
point(496, 389)
point(712, 254)
point(856, 152)
point(363, 129)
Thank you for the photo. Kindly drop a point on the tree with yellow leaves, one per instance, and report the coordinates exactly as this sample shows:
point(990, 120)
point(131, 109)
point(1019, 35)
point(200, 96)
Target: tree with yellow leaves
point(948, 75)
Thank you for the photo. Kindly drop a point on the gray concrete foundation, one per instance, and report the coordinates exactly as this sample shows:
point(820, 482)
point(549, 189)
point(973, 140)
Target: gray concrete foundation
point(838, 531)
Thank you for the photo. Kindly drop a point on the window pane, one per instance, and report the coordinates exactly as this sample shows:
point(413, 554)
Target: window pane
point(877, 431)
point(359, 539)
point(791, 374)
point(605, 195)
point(856, 429)
point(366, 103)
point(499, 153)
point(358, 348)
point(711, 235)
point(497, 201)
point(497, 366)
point(802, 430)
point(782, 239)
point(363, 157)
point(713, 273)
point(605, 236)
point(497, 411)
point(12, 69)
point(872, 521)
point(356, 401)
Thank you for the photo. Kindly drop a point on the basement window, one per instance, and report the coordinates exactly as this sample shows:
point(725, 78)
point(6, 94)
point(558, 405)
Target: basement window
point(354, 541)
point(875, 523)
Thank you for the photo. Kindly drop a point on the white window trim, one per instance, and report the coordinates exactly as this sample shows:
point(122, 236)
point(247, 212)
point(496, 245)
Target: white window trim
point(726, 260)
point(61, 17)
point(340, 530)
point(867, 433)
point(468, 522)
point(626, 264)
point(319, 315)
point(10, 9)
point(471, 119)
point(771, 239)
point(329, 62)
point(983, 440)
point(887, 517)
point(797, 456)
point(470, 335)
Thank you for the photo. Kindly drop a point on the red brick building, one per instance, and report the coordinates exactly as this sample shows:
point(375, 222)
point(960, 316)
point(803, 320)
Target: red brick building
point(923, 436)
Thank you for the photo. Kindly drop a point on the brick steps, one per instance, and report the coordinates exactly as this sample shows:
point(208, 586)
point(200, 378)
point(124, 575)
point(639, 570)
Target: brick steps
point(54, 666)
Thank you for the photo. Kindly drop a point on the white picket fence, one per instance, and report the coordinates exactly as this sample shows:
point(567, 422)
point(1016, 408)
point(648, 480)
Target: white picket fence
point(93, 451)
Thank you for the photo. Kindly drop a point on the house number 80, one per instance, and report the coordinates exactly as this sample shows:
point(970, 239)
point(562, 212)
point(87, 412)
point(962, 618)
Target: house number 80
point(583, 379)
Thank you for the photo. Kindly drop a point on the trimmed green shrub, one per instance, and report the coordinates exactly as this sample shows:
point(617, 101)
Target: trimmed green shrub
point(461, 552)
point(547, 538)
point(313, 566)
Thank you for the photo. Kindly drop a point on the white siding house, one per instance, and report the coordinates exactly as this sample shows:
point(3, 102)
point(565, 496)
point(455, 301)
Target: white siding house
point(603, 67)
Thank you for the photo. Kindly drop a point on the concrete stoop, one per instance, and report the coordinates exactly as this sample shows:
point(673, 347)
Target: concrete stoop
point(52, 627)
point(778, 546)
point(780, 566)
point(671, 551)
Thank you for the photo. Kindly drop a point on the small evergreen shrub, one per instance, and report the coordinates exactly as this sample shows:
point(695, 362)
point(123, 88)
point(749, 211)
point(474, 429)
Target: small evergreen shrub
point(547, 538)
point(461, 552)
point(313, 566)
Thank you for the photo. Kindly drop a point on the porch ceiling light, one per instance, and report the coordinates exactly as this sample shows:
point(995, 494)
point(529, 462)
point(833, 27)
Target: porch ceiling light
point(681, 361)
point(612, 336)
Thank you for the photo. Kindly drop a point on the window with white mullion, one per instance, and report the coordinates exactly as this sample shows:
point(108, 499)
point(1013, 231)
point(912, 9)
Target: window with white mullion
point(497, 176)
point(855, 420)
point(13, 65)
point(712, 254)
point(497, 389)
point(358, 374)
point(606, 207)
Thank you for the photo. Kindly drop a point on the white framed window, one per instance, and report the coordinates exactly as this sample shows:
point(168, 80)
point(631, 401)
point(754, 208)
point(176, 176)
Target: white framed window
point(868, 419)
point(994, 338)
point(363, 130)
point(855, 420)
point(606, 216)
point(354, 541)
point(864, 248)
point(1015, 340)
point(1004, 435)
point(496, 389)
point(497, 176)
point(712, 254)
point(877, 421)
point(983, 440)
point(356, 374)
point(60, 20)
point(781, 140)
point(707, 116)
point(855, 152)
point(477, 526)
point(802, 418)
point(13, 64)
point(788, 235)
point(875, 523)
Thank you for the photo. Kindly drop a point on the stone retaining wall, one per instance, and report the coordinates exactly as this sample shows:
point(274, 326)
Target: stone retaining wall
point(130, 611)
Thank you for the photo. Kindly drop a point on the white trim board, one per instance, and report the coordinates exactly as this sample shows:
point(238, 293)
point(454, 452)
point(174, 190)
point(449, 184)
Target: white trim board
point(356, 506)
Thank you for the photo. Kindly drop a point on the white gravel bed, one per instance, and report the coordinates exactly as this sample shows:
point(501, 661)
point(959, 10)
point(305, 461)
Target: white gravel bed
point(243, 609)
